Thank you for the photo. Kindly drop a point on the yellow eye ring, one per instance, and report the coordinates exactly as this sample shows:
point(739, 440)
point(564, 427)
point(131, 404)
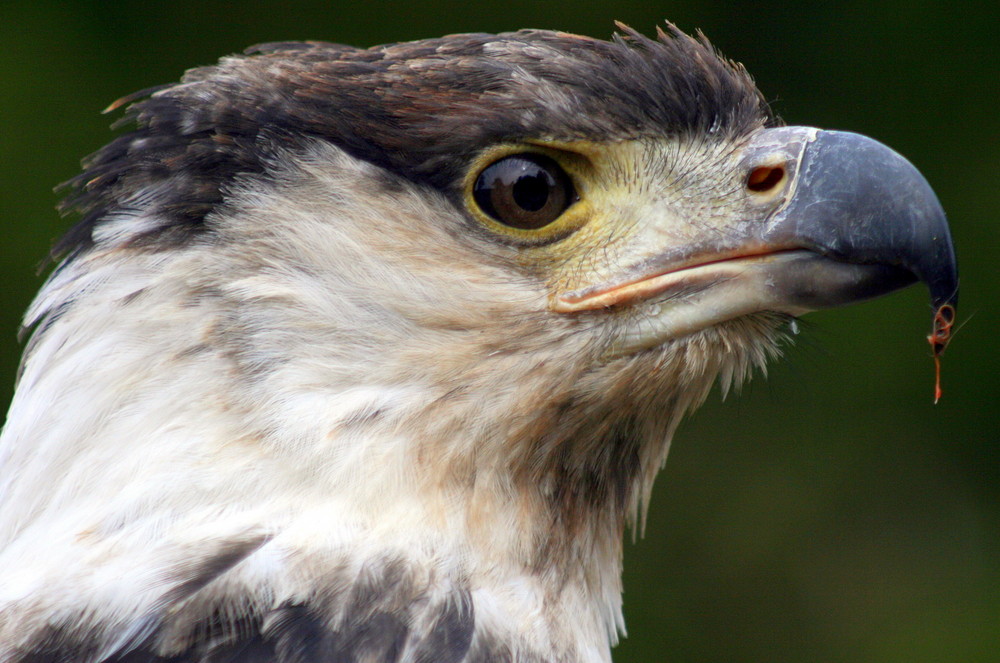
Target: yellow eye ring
point(530, 194)
point(527, 191)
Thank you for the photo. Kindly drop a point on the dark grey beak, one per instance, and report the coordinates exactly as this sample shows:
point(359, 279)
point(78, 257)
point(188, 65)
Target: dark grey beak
point(857, 202)
point(829, 218)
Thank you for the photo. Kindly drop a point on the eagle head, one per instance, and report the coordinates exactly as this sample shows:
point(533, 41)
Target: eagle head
point(372, 354)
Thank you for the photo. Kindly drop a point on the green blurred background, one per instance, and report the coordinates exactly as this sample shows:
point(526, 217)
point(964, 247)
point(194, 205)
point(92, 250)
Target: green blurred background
point(829, 513)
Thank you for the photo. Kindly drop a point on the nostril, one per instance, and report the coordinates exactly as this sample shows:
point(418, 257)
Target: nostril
point(765, 178)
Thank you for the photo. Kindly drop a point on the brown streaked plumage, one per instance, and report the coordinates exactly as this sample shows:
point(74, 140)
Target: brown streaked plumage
point(418, 109)
point(317, 402)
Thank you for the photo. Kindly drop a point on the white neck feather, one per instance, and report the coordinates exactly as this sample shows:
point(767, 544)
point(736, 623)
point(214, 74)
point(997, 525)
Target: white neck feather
point(235, 391)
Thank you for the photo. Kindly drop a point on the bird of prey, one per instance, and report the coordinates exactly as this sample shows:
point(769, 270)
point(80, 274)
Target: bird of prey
point(371, 355)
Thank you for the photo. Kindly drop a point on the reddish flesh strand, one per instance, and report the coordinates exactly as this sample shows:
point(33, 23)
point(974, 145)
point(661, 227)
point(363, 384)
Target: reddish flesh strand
point(944, 318)
point(937, 379)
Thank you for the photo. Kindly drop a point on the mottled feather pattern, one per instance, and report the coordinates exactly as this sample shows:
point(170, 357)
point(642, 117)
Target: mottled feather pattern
point(382, 614)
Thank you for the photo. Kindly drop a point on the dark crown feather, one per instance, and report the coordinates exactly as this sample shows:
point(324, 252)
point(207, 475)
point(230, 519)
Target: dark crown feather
point(419, 109)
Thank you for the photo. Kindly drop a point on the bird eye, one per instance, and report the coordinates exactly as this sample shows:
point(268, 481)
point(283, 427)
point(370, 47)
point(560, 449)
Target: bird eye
point(525, 191)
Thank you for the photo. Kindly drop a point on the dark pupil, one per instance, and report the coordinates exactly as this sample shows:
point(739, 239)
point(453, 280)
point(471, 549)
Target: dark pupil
point(532, 191)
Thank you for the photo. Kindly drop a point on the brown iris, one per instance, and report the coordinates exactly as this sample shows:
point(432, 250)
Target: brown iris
point(525, 191)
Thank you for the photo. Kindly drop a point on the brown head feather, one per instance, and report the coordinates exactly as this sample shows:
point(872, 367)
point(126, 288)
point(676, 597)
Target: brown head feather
point(418, 109)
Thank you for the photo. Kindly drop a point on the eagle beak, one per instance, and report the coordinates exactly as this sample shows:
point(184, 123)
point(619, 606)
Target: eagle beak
point(871, 215)
point(848, 219)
